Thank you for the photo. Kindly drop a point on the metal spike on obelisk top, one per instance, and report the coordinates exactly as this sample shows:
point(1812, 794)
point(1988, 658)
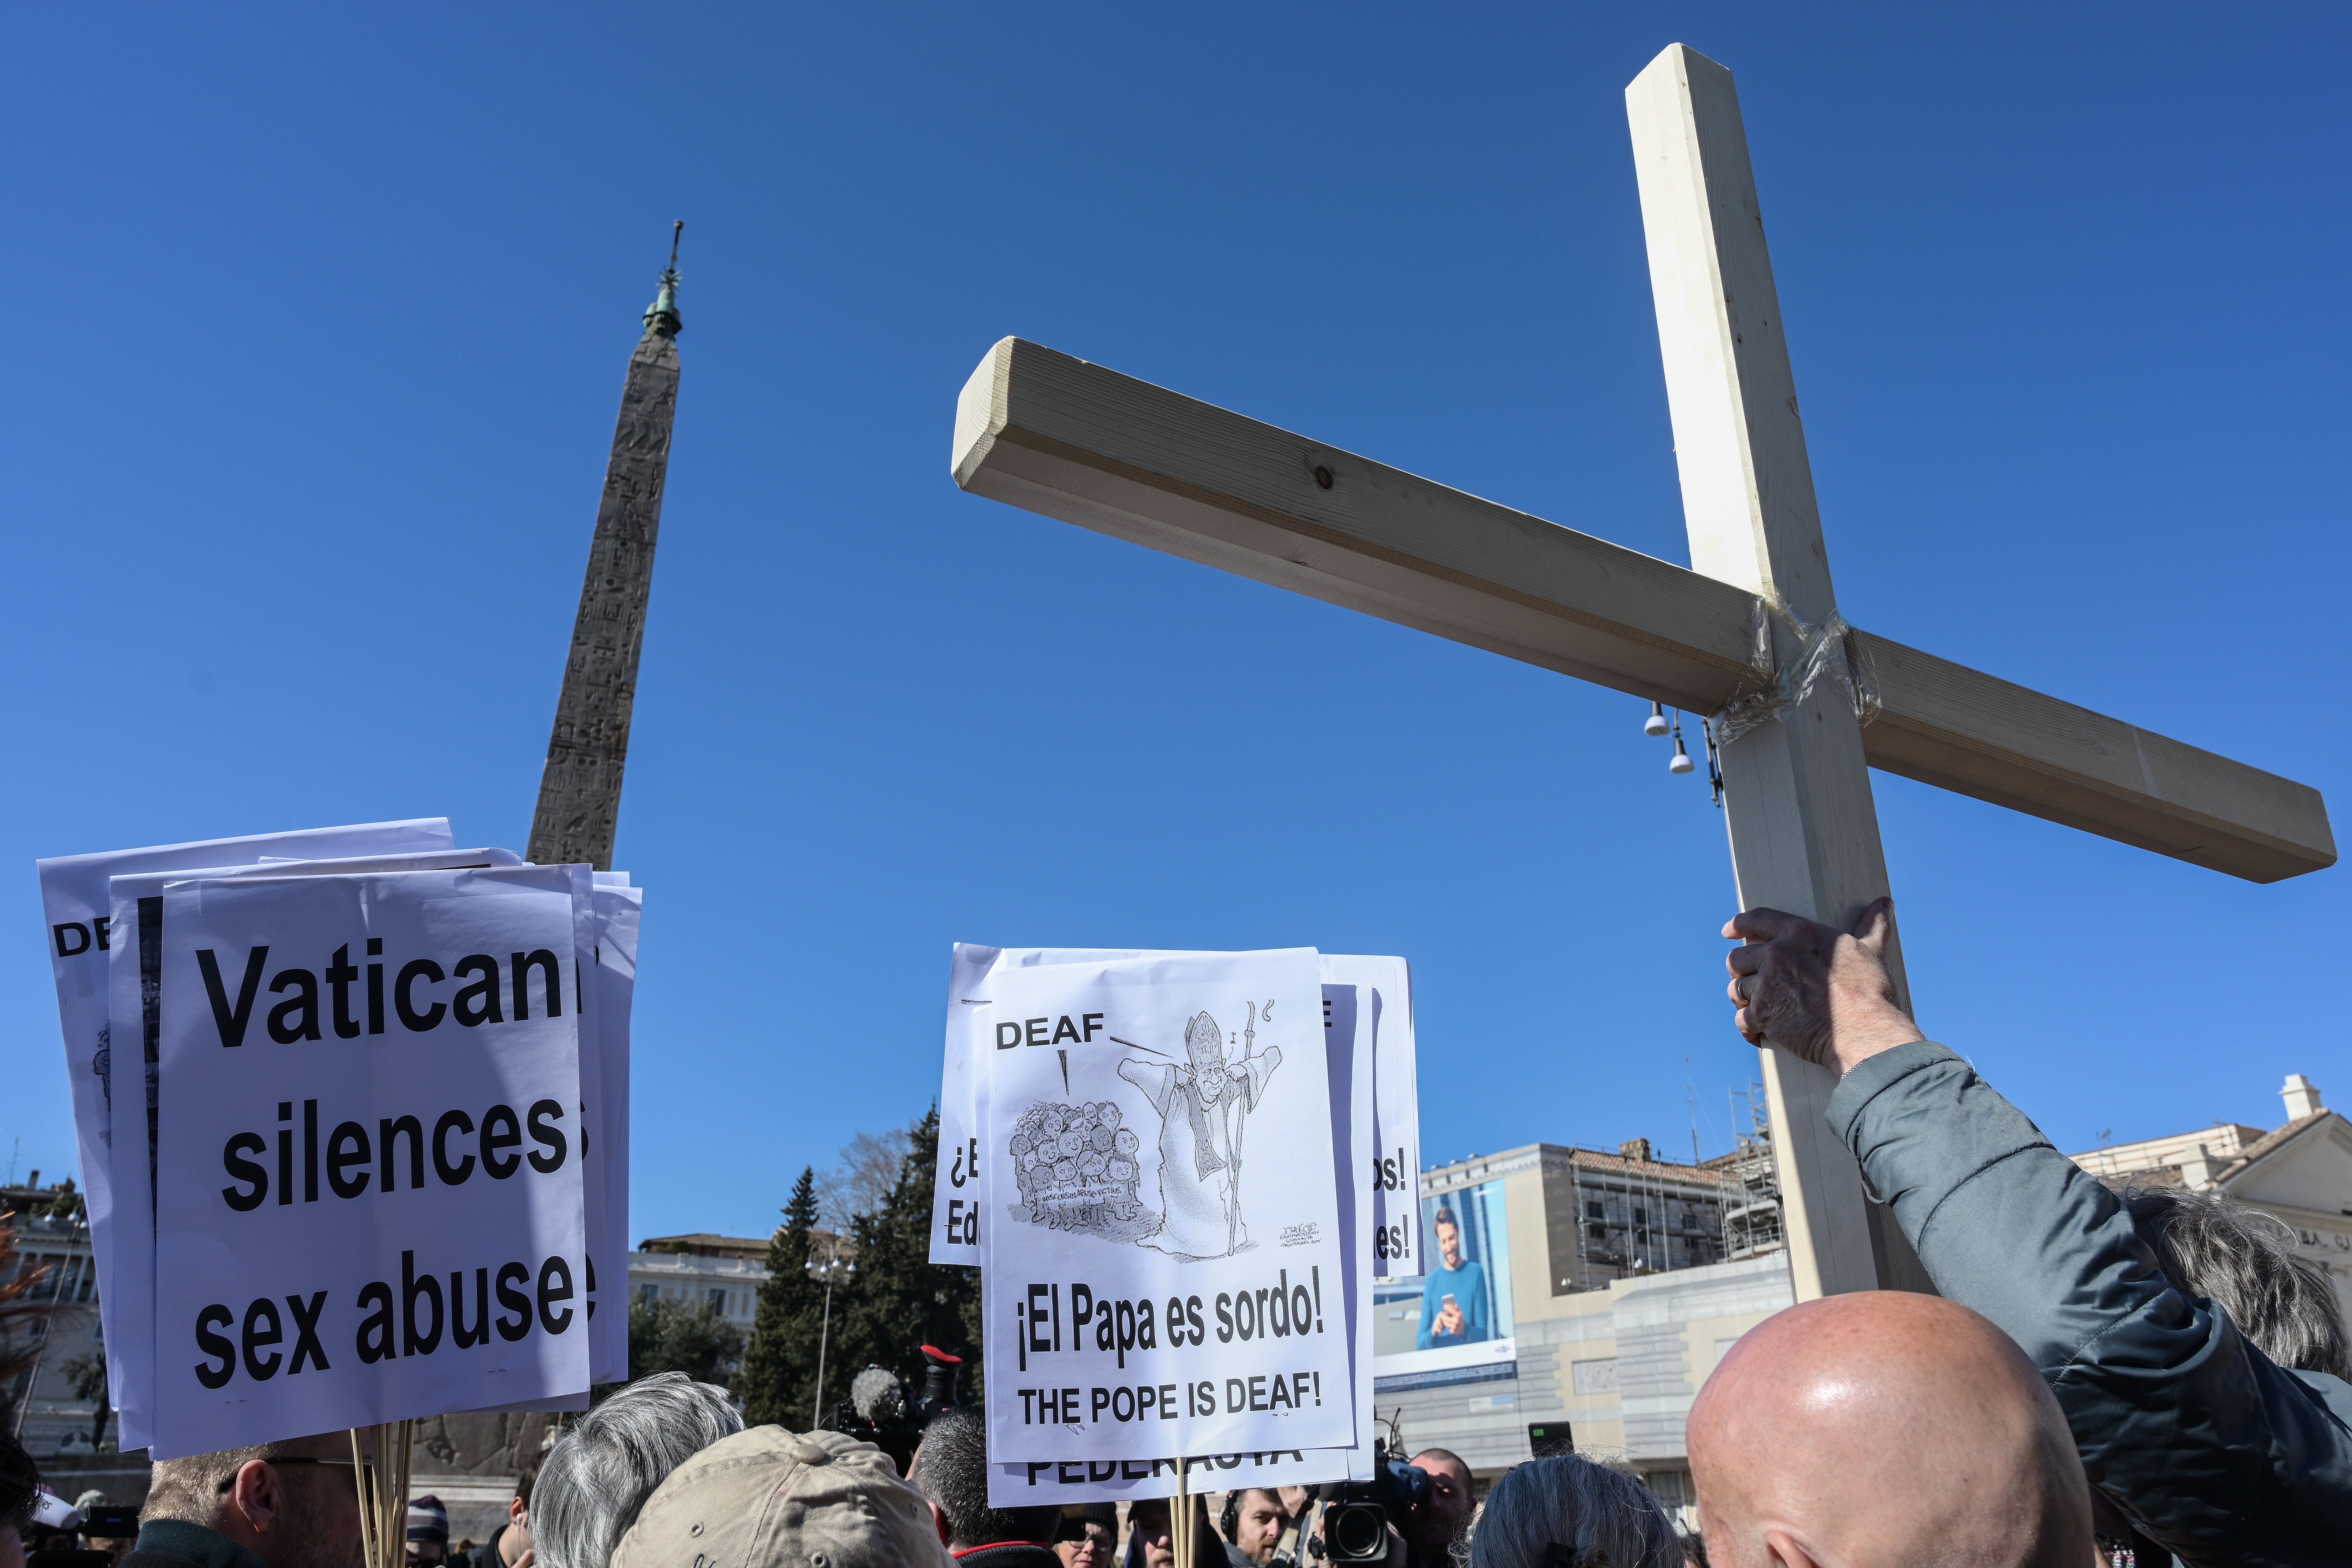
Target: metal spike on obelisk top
point(662, 314)
point(579, 791)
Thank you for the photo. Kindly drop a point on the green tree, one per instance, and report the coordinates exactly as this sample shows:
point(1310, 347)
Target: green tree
point(675, 1336)
point(87, 1376)
point(778, 1381)
point(900, 1301)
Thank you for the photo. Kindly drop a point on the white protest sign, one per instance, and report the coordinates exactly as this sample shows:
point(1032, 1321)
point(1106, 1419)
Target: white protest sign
point(315, 1196)
point(1396, 1104)
point(75, 905)
point(1134, 1217)
point(955, 1189)
point(136, 903)
point(619, 911)
point(1348, 1012)
point(1043, 1484)
point(1348, 1039)
point(1396, 1172)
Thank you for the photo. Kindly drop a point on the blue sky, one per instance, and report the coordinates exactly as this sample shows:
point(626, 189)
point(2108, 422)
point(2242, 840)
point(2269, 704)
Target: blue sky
point(318, 321)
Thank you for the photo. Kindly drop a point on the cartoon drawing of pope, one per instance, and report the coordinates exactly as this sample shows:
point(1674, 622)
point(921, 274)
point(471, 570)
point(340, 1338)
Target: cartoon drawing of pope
point(1202, 1105)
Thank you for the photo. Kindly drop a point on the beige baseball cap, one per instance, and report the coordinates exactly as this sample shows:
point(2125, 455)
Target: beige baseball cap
point(767, 1498)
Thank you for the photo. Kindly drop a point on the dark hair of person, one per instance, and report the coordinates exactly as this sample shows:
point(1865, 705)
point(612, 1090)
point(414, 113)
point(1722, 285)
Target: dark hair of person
point(951, 1469)
point(2245, 1262)
point(527, 1475)
point(1571, 1510)
point(1444, 1216)
point(20, 1480)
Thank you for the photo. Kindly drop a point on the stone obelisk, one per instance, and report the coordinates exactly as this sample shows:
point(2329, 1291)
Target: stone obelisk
point(580, 793)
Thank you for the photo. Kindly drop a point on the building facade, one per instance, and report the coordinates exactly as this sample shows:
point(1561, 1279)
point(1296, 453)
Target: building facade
point(1617, 1291)
point(724, 1270)
point(52, 1238)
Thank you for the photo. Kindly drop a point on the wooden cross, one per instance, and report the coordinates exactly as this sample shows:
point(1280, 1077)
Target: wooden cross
point(1739, 633)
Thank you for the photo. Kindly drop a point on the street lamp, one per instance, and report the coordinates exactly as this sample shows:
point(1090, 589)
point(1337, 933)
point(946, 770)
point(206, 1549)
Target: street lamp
point(833, 1266)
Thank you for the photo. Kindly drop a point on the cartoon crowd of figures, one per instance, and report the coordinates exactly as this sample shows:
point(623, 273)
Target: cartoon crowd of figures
point(1076, 1165)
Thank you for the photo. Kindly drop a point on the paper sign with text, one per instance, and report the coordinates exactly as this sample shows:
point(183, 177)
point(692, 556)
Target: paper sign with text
point(1166, 1270)
point(1348, 1039)
point(75, 909)
point(370, 1202)
point(620, 910)
point(135, 957)
point(1039, 1483)
point(1393, 1176)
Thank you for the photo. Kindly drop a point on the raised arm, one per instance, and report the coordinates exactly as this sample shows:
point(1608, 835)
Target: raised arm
point(1154, 1078)
point(1261, 1067)
point(2213, 1449)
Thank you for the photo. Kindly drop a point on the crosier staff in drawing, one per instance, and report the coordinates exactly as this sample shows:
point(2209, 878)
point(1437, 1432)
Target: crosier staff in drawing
point(1203, 1104)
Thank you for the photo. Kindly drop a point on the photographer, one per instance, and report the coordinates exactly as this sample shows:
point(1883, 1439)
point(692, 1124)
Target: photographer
point(1435, 1521)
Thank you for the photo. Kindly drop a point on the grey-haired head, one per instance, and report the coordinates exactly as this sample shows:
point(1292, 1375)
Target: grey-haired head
point(599, 1474)
point(2245, 1261)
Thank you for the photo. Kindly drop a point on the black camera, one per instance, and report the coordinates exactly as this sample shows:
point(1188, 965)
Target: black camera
point(876, 1411)
point(1357, 1514)
point(109, 1521)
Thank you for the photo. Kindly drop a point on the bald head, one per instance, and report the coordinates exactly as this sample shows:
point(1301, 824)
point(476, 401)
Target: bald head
point(1882, 1427)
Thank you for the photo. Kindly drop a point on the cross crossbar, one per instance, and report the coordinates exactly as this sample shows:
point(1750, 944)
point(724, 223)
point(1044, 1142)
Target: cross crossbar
point(1077, 441)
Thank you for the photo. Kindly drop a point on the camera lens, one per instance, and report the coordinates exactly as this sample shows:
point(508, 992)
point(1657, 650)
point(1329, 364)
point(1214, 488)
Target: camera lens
point(1358, 1532)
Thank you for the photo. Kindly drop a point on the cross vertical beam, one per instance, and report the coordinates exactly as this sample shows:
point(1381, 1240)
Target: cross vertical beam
point(1797, 797)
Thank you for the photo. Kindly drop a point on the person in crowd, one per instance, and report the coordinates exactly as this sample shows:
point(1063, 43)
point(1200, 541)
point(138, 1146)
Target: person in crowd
point(1152, 1538)
point(428, 1531)
point(2244, 1261)
point(1453, 1298)
point(2207, 1446)
point(950, 1466)
point(591, 1483)
point(769, 1498)
point(1088, 1535)
point(1884, 1426)
point(510, 1547)
point(1253, 1523)
point(275, 1505)
point(1430, 1531)
point(1595, 1514)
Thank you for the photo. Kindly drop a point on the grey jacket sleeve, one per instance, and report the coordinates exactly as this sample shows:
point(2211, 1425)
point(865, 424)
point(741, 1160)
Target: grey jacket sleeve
point(2218, 1453)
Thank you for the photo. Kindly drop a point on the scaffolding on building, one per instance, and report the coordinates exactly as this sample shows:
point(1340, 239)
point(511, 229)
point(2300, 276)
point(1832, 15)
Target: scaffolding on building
point(1752, 1225)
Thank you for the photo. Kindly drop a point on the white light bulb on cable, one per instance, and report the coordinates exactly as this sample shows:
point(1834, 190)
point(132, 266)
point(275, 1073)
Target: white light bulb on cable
point(1655, 724)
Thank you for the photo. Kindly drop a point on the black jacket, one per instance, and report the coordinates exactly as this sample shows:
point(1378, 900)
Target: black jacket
point(176, 1543)
point(486, 1556)
point(2213, 1449)
point(1007, 1554)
